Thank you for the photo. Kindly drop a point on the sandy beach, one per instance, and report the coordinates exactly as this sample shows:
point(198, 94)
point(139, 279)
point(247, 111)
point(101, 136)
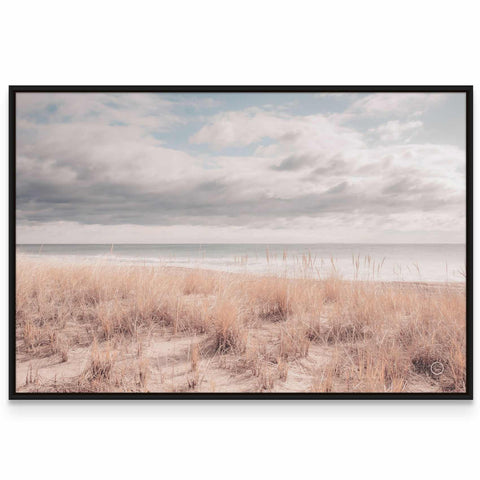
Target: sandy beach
point(108, 328)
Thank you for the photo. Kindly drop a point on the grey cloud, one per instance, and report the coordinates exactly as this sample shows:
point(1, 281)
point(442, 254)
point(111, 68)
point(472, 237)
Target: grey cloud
point(376, 167)
point(413, 186)
point(289, 136)
point(294, 162)
point(399, 186)
point(335, 166)
point(207, 203)
point(62, 183)
point(341, 187)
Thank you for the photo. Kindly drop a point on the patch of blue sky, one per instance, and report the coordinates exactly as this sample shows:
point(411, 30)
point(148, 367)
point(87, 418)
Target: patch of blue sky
point(292, 103)
point(39, 116)
point(177, 136)
point(51, 108)
point(444, 123)
point(113, 105)
point(44, 115)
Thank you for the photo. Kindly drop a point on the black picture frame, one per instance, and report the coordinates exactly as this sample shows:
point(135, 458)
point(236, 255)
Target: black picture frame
point(467, 395)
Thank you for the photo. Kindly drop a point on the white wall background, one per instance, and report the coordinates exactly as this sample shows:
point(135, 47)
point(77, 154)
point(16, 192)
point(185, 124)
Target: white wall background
point(248, 42)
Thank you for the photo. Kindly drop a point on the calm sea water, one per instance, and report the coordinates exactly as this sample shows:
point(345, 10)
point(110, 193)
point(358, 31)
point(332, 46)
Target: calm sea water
point(397, 262)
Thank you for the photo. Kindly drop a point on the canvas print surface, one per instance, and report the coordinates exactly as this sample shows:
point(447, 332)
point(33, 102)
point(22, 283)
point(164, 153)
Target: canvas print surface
point(240, 242)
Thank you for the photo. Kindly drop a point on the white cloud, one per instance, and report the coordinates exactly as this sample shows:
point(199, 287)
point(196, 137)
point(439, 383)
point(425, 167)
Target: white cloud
point(393, 130)
point(292, 133)
point(241, 128)
point(395, 103)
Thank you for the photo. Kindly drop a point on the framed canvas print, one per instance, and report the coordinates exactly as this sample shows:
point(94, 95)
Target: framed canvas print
point(241, 242)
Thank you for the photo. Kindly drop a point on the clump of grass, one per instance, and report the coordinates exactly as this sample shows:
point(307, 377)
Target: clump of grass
point(326, 378)
point(282, 369)
point(322, 381)
point(226, 333)
point(433, 332)
point(32, 378)
point(265, 380)
point(192, 316)
point(194, 357)
point(101, 364)
point(64, 353)
point(375, 368)
point(257, 355)
point(341, 330)
point(193, 377)
point(252, 359)
point(332, 288)
point(293, 341)
point(199, 282)
point(358, 317)
point(143, 372)
point(315, 328)
point(60, 346)
point(272, 297)
point(31, 335)
point(115, 320)
point(192, 381)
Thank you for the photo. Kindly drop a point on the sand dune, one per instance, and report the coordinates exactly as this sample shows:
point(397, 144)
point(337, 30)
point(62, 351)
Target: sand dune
point(108, 328)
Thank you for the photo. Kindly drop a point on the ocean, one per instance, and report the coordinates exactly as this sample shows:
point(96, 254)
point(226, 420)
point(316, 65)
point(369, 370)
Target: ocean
point(386, 262)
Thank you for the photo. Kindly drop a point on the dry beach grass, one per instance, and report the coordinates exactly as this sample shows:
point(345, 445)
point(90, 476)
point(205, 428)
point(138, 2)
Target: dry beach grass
point(112, 328)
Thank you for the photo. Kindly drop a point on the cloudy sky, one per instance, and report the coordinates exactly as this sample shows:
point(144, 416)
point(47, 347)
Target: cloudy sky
point(259, 167)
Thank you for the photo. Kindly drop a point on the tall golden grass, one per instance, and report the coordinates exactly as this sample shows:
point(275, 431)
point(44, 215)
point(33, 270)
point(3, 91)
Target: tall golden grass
point(368, 336)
